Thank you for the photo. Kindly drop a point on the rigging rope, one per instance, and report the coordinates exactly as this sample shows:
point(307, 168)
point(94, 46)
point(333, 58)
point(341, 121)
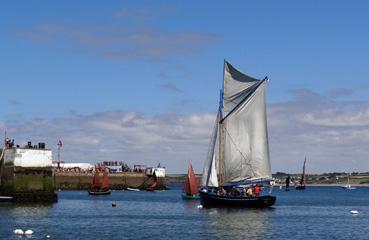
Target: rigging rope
point(1, 163)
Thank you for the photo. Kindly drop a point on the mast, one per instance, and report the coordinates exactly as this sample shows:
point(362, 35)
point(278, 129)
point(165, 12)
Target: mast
point(348, 179)
point(221, 132)
point(221, 154)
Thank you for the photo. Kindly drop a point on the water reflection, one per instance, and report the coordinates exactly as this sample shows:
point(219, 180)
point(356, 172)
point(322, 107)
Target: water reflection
point(238, 223)
point(191, 204)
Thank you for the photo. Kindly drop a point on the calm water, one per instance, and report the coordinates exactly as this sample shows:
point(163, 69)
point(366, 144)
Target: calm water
point(317, 213)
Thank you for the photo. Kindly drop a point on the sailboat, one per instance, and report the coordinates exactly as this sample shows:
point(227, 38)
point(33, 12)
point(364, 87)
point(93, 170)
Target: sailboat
point(348, 185)
point(190, 190)
point(153, 184)
point(97, 188)
point(302, 185)
point(240, 134)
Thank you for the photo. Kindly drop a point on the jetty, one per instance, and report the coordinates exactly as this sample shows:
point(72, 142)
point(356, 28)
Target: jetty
point(117, 181)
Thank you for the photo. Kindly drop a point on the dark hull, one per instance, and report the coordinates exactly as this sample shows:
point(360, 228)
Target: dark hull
point(300, 188)
point(97, 192)
point(211, 200)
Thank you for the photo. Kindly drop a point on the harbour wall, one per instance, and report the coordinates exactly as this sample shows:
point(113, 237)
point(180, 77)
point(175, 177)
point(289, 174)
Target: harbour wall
point(82, 181)
point(26, 174)
point(28, 184)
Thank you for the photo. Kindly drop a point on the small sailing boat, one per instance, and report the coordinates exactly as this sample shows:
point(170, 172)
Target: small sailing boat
point(190, 190)
point(153, 184)
point(348, 185)
point(302, 185)
point(97, 188)
point(240, 133)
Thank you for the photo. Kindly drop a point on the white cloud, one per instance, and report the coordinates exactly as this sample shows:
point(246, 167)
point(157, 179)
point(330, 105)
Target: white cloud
point(333, 135)
point(170, 139)
point(338, 118)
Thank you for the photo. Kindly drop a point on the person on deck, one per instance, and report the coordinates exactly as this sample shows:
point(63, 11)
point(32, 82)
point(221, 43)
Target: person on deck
point(256, 190)
point(237, 192)
point(288, 179)
point(243, 192)
point(222, 191)
point(249, 192)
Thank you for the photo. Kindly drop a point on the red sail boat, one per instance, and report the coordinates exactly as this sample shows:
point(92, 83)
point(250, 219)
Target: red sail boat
point(153, 185)
point(97, 188)
point(190, 190)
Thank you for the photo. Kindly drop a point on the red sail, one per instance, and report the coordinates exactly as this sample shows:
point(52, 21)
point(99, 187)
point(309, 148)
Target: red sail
point(154, 184)
point(190, 186)
point(96, 180)
point(105, 183)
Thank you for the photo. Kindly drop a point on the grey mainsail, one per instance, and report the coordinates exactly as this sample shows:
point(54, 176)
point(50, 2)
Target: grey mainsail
point(243, 126)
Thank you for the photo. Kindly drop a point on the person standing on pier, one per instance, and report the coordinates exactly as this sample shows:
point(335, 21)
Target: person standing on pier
point(288, 179)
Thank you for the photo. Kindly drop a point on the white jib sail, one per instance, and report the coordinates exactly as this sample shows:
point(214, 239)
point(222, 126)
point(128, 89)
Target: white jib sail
point(210, 175)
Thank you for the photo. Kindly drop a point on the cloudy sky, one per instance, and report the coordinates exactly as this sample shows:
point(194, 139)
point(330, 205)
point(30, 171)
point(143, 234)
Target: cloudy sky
point(139, 81)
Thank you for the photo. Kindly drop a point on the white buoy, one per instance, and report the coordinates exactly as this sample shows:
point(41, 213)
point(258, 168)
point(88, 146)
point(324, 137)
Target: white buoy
point(354, 212)
point(47, 236)
point(199, 206)
point(18, 232)
point(28, 232)
point(280, 187)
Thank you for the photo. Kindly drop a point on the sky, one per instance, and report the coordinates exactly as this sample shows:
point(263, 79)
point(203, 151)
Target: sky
point(138, 81)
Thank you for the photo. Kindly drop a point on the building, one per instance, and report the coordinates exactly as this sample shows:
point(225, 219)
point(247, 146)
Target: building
point(73, 166)
point(155, 171)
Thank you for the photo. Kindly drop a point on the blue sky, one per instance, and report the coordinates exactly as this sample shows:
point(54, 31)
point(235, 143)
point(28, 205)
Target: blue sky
point(73, 63)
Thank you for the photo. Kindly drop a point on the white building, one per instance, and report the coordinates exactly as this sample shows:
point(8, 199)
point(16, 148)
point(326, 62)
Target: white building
point(158, 171)
point(82, 166)
point(28, 157)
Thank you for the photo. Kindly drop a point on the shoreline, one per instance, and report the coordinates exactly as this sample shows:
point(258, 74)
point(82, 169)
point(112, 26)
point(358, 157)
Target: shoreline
point(328, 185)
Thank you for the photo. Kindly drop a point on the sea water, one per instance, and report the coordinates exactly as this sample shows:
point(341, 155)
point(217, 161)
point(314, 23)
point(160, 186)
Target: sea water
point(316, 213)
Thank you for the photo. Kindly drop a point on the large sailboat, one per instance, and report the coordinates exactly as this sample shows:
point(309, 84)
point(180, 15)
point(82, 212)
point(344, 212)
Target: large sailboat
point(240, 134)
point(302, 185)
point(97, 188)
point(190, 190)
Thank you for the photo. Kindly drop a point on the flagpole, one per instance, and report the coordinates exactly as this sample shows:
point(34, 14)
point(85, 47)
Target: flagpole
point(60, 144)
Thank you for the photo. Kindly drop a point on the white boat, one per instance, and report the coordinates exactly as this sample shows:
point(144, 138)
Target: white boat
point(133, 189)
point(348, 185)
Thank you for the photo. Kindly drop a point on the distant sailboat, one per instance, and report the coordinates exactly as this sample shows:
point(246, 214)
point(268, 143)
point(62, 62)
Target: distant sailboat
point(190, 190)
point(348, 185)
point(153, 184)
point(97, 188)
point(302, 185)
point(240, 133)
